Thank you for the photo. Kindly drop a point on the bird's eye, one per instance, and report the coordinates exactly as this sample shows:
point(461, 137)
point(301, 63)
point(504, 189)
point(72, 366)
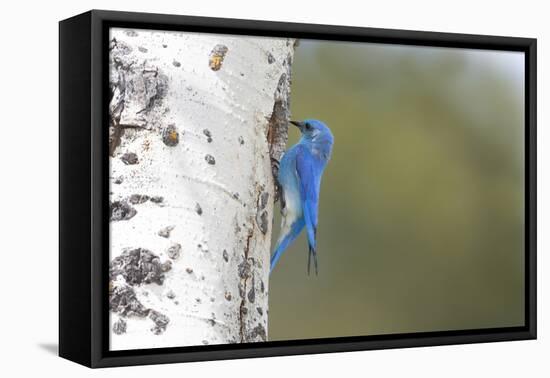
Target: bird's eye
point(308, 126)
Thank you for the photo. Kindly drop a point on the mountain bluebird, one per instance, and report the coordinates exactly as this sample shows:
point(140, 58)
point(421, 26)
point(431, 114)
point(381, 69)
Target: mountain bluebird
point(300, 173)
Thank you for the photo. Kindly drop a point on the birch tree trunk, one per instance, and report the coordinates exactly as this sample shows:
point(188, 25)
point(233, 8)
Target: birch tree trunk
point(196, 120)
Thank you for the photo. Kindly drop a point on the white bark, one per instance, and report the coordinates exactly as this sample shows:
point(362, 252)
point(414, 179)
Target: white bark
point(193, 127)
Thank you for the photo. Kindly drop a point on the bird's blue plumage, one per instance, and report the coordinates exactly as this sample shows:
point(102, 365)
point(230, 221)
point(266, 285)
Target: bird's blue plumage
point(300, 172)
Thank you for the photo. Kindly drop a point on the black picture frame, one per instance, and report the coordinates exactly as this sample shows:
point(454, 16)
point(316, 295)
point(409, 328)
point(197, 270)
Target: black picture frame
point(83, 195)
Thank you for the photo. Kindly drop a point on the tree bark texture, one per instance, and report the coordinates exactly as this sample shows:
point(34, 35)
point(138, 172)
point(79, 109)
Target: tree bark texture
point(196, 121)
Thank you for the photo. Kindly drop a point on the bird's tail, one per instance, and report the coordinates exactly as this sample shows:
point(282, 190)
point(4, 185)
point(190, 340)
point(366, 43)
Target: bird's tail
point(312, 252)
point(285, 241)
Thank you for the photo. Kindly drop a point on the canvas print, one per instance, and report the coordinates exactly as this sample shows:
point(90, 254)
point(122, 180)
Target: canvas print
point(266, 189)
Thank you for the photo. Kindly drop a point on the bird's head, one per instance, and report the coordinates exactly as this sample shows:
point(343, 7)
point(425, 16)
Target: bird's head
point(314, 131)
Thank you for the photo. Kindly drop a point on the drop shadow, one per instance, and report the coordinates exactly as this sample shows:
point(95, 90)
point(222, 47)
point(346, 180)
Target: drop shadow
point(51, 348)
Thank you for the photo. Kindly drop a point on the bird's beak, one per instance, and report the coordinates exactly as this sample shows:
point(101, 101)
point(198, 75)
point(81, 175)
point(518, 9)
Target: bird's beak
point(298, 124)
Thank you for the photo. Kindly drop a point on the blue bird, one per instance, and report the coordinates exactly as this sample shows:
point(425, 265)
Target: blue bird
point(300, 172)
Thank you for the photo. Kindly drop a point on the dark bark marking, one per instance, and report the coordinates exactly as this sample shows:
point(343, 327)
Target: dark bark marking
point(157, 199)
point(119, 327)
point(252, 292)
point(217, 56)
point(277, 134)
point(208, 135)
point(161, 322)
point(120, 210)
point(170, 135)
point(198, 208)
point(210, 159)
point(261, 214)
point(243, 269)
point(123, 301)
point(136, 199)
point(131, 81)
point(139, 266)
point(174, 251)
point(258, 331)
point(130, 158)
point(165, 232)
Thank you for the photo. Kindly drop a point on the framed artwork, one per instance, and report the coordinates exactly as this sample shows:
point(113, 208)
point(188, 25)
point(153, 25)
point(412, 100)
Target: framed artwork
point(234, 188)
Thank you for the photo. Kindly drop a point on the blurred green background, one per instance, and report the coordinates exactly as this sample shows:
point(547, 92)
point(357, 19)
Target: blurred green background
point(421, 216)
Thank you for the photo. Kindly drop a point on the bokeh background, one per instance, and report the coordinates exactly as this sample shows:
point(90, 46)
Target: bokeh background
point(422, 206)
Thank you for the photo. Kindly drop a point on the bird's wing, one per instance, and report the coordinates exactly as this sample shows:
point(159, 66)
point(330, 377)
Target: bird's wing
point(309, 178)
